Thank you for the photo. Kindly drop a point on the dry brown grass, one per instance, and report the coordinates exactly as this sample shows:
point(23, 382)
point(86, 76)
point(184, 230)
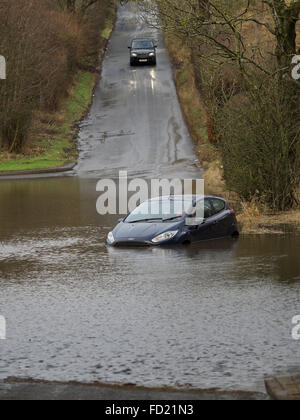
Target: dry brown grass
point(255, 218)
point(249, 216)
point(184, 74)
point(214, 181)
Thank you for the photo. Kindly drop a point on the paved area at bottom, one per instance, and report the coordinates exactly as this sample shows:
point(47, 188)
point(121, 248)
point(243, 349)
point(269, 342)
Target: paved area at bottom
point(285, 388)
point(35, 390)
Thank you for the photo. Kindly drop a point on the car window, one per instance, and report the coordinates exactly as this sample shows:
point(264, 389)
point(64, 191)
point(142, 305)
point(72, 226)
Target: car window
point(208, 209)
point(219, 205)
point(140, 45)
point(157, 210)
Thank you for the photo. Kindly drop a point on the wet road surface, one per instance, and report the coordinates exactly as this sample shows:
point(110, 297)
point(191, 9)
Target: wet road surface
point(212, 315)
point(17, 389)
point(136, 121)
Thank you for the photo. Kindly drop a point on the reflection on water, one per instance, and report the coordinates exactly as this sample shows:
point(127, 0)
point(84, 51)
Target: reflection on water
point(216, 314)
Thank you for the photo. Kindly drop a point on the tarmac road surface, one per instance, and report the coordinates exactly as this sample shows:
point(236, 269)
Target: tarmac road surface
point(136, 121)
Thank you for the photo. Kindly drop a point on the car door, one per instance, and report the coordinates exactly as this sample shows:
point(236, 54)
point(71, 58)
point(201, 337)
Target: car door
point(222, 217)
point(206, 230)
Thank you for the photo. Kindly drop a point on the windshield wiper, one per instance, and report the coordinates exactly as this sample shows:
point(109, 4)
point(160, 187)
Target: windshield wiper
point(146, 220)
point(171, 218)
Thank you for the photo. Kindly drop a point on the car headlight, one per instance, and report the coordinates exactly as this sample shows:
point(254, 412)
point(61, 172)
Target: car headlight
point(110, 238)
point(165, 236)
point(133, 55)
point(152, 54)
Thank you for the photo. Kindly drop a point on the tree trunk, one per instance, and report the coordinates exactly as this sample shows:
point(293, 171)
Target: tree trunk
point(287, 17)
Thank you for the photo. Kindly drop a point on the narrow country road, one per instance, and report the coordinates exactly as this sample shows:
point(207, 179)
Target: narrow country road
point(136, 122)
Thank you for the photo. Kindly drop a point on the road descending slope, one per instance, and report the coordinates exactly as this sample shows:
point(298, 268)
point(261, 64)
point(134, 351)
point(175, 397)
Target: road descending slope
point(136, 121)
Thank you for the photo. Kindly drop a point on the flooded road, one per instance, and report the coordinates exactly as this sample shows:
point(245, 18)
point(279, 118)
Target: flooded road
point(212, 315)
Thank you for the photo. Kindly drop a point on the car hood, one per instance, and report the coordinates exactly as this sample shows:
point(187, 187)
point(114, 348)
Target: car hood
point(142, 51)
point(143, 231)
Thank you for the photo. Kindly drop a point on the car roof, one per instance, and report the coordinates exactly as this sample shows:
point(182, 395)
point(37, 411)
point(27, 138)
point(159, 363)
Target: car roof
point(191, 197)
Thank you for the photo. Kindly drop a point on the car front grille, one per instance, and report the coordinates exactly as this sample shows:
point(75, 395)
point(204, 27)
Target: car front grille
point(131, 244)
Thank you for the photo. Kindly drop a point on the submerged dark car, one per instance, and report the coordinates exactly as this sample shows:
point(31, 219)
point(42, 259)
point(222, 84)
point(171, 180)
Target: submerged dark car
point(142, 51)
point(175, 220)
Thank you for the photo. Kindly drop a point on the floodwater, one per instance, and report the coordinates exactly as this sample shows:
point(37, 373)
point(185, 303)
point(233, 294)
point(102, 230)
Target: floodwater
point(218, 314)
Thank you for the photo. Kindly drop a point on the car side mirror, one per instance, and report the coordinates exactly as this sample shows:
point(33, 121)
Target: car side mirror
point(121, 220)
point(129, 48)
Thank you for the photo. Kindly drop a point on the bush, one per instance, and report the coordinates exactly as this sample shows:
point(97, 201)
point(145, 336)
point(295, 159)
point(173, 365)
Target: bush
point(43, 46)
point(260, 134)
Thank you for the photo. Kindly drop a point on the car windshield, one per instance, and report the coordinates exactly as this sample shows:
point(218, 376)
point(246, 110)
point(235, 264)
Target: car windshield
point(158, 210)
point(142, 45)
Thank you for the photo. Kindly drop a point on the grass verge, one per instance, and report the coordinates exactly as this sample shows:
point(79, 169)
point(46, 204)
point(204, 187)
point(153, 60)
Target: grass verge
point(54, 143)
point(53, 135)
point(195, 115)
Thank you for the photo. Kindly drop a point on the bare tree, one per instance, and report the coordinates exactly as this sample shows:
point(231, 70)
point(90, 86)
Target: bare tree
point(43, 47)
point(219, 24)
point(285, 17)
